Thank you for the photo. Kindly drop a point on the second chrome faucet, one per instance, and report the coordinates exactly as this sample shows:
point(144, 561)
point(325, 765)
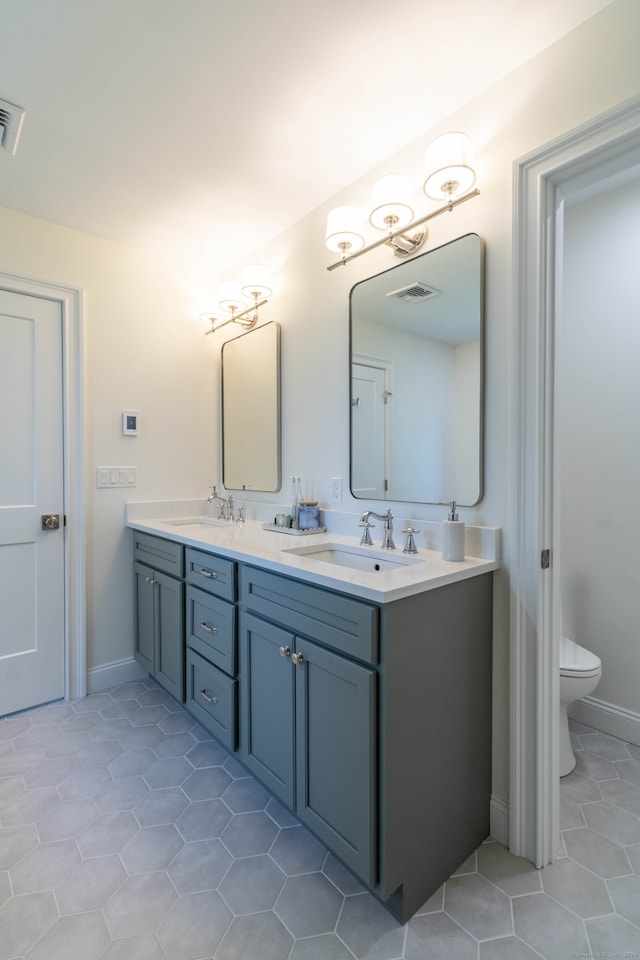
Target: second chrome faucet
point(387, 539)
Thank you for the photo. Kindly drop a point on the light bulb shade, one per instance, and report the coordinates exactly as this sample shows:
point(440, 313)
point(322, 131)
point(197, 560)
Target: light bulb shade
point(208, 310)
point(448, 167)
point(391, 199)
point(231, 298)
point(344, 225)
point(256, 280)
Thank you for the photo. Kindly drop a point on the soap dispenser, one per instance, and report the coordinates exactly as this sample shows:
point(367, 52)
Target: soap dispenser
point(452, 536)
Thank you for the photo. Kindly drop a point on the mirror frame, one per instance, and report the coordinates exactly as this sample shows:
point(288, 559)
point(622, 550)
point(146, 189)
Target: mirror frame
point(246, 423)
point(481, 391)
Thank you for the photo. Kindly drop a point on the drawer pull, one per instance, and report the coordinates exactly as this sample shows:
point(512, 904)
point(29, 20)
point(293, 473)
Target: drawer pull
point(285, 651)
point(209, 629)
point(207, 697)
point(210, 574)
point(297, 658)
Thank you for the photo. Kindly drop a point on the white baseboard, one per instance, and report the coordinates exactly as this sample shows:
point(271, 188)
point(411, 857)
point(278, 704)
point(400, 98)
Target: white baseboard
point(113, 674)
point(616, 721)
point(499, 820)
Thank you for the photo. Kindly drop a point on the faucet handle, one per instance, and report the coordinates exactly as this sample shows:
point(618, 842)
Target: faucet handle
point(366, 540)
point(410, 545)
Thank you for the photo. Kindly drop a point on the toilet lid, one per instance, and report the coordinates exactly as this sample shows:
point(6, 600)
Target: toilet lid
point(576, 661)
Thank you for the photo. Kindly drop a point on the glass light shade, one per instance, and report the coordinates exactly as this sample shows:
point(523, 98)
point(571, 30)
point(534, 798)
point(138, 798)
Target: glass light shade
point(391, 198)
point(448, 166)
point(344, 225)
point(231, 298)
point(208, 310)
point(256, 281)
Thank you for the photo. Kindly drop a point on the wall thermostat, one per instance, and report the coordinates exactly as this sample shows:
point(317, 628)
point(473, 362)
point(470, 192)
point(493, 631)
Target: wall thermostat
point(129, 423)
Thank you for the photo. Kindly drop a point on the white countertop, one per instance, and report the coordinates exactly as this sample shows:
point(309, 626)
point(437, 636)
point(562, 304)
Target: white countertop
point(248, 542)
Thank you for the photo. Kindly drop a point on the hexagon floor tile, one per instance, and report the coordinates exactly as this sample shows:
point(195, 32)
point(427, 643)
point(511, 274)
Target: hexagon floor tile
point(128, 833)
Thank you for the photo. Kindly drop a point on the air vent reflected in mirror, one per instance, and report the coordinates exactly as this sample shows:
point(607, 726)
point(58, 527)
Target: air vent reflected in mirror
point(413, 292)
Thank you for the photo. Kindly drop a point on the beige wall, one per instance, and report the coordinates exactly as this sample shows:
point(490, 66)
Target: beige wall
point(143, 351)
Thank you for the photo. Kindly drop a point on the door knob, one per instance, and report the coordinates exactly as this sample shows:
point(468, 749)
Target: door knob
point(50, 521)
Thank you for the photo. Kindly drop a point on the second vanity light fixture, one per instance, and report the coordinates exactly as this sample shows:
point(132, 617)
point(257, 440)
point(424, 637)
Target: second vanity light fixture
point(240, 302)
point(450, 177)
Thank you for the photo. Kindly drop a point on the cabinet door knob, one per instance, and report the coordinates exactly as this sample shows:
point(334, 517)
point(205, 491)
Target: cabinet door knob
point(297, 658)
point(209, 629)
point(207, 697)
point(285, 651)
point(150, 580)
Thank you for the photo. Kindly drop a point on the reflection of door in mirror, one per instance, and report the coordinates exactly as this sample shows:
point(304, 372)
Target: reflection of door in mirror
point(370, 394)
point(425, 318)
point(251, 410)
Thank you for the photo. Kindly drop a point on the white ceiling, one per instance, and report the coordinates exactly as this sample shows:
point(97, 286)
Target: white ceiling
point(200, 129)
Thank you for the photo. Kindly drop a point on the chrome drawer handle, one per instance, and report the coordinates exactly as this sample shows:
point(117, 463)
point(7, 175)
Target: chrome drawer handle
point(205, 626)
point(297, 658)
point(285, 651)
point(207, 697)
point(208, 573)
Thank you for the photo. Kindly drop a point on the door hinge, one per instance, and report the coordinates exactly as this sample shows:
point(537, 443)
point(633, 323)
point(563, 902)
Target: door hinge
point(545, 559)
point(64, 520)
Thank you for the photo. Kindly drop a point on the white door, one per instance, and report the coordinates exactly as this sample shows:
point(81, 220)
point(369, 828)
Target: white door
point(368, 432)
point(32, 574)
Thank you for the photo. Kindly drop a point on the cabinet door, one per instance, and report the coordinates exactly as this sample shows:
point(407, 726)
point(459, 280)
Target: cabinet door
point(143, 598)
point(169, 634)
point(336, 754)
point(267, 704)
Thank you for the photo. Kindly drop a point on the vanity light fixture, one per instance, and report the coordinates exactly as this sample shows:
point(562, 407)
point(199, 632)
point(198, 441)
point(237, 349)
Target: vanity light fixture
point(240, 302)
point(450, 177)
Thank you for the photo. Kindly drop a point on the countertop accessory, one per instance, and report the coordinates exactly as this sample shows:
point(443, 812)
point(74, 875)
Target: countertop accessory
point(452, 536)
point(291, 530)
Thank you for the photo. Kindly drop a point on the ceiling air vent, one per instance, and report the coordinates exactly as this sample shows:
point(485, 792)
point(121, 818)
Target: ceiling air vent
point(11, 118)
point(414, 292)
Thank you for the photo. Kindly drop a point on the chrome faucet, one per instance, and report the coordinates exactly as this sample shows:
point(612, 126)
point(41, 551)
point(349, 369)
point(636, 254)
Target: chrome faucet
point(226, 504)
point(387, 539)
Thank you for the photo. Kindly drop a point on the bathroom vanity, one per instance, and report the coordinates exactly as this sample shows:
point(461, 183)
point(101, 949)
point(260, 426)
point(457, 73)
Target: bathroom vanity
point(361, 699)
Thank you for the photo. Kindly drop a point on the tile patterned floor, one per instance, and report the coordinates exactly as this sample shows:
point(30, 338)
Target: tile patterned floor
point(127, 833)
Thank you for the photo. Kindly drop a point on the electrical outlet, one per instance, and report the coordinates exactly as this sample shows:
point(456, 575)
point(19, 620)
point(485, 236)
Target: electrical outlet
point(336, 489)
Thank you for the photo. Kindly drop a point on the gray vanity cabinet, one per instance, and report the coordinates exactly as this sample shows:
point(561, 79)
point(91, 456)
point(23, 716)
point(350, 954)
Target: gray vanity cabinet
point(211, 644)
point(371, 721)
point(159, 610)
point(379, 738)
point(308, 711)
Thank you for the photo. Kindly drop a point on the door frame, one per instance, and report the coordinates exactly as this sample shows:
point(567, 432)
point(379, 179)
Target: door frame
point(377, 363)
point(71, 307)
point(542, 180)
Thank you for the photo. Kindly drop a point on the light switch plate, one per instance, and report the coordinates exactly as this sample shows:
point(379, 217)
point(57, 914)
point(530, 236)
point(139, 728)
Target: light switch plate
point(116, 477)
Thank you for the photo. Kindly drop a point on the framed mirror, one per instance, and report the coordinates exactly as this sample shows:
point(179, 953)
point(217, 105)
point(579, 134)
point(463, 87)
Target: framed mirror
point(251, 410)
point(417, 378)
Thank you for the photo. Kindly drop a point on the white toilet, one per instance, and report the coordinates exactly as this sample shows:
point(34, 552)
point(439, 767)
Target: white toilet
point(580, 672)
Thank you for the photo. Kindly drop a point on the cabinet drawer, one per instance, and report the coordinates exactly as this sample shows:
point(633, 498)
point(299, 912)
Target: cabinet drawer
point(335, 620)
point(164, 555)
point(211, 628)
point(211, 573)
point(211, 698)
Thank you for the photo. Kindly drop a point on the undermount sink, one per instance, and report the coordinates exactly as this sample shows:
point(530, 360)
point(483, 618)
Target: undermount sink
point(201, 522)
point(357, 558)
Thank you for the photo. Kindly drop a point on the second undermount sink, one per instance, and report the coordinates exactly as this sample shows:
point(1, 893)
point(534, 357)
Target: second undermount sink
point(355, 557)
point(201, 522)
